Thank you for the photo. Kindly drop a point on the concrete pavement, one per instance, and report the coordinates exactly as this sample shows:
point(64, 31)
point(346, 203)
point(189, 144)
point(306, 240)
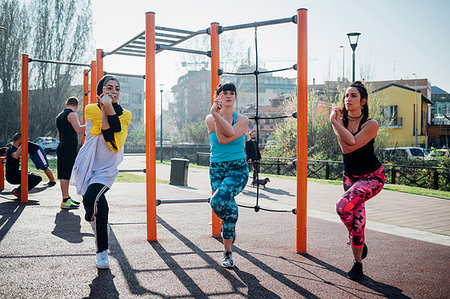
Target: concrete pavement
point(46, 252)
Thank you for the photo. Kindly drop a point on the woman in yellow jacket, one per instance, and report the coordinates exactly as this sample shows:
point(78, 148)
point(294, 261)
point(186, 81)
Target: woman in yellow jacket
point(95, 168)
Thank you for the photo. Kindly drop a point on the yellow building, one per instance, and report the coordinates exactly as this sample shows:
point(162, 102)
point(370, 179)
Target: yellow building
point(398, 110)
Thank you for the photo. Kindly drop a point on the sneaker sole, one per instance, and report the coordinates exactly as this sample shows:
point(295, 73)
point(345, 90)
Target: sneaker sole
point(69, 208)
point(102, 267)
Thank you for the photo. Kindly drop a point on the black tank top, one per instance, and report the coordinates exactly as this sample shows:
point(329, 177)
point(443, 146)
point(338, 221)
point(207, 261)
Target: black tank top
point(67, 135)
point(363, 160)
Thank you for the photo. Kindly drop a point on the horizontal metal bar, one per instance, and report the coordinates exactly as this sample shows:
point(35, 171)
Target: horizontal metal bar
point(132, 51)
point(164, 47)
point(58, 62)
point(170, 35)
point(133, 76)
point(238, 74)
point(278, 70)
point(257, 24)
point(174, 30)
point(130, 170)
point(129, 54)
point(135, 47)
point(270, 117)
point(167, 201)
point(123, 45)
point(163, 40)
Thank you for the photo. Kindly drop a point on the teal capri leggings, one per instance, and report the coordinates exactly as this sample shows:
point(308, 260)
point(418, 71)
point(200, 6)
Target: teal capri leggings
point(228, 179)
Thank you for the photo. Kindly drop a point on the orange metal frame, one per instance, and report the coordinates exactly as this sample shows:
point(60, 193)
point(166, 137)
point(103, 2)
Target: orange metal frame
point(150, 137)
point(150, 133)
point(215, 63)
point(24, 130)
point(85, 94)
point(302, 128)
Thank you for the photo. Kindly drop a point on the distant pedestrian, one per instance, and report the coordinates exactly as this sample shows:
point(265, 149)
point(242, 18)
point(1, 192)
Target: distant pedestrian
point(95, 168)
point(228, 169)
point(68, 127)
point(363, 173)
point(13, 173)
point(253, 155)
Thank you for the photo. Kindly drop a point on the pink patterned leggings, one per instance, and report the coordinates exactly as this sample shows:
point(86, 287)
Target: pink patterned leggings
point(351, 207)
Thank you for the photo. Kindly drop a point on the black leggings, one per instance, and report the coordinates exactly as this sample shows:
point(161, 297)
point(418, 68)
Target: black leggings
point(33, 180)
point(94, 201)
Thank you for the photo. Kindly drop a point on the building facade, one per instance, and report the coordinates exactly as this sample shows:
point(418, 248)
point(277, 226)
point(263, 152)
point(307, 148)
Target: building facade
point(398, 108)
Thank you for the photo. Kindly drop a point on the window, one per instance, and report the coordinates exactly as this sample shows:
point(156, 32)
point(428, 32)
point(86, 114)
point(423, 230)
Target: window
point(391, 118)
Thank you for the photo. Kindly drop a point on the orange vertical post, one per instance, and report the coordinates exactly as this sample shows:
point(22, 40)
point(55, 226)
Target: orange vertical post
point(93, 83)
point(150, 116)
point(99, 65)
point(302, 129)
point(24, 130)
point(2, 174)
point(215, 63)
point(85, 95)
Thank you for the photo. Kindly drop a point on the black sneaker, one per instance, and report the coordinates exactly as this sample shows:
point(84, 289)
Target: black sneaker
point(356, 273)
point(50, 184)
point(227, 260)
point(364, 253)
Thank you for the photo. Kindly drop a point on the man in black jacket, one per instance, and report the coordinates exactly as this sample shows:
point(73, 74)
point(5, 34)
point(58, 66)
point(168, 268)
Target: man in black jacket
point(253, 154)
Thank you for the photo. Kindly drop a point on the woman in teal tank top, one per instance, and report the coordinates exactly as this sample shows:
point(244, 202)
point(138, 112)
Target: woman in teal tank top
point(228, 169)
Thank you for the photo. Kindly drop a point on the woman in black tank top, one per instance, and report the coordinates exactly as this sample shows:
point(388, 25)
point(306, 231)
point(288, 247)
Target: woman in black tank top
point(363, 173)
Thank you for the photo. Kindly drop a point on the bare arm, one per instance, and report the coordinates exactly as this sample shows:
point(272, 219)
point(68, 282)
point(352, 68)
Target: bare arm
point(368, 131)
point(73, 120)
point(234, 132)
point(16, 154)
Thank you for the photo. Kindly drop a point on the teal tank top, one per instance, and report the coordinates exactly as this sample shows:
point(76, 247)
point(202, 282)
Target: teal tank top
point(233, 150)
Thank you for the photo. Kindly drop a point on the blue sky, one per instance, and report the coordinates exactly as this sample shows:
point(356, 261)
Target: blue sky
point(398, 38)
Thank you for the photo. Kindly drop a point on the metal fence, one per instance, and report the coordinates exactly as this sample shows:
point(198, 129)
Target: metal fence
point(420, 176)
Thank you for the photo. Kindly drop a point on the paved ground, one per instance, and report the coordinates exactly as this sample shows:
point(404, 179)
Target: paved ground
point(46, 252)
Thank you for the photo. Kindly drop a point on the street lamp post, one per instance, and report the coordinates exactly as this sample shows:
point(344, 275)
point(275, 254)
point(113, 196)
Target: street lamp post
point(415, 111)
point(343, 63)
point(353, 38)
point(161, 89)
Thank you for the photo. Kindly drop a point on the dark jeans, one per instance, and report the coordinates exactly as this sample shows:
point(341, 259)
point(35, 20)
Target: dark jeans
point(33, 180)
point(255, 167)
point(94, 201)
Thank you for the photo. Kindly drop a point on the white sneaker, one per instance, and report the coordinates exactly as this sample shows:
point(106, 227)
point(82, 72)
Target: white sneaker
point(227, 260)
point(102, 260)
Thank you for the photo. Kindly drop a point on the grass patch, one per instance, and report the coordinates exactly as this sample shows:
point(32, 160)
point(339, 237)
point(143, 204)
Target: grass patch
point(125, 177)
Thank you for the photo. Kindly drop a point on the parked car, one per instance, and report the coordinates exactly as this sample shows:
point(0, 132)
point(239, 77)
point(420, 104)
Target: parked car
point(48, 143)
point(438, 153)
point(405, 153)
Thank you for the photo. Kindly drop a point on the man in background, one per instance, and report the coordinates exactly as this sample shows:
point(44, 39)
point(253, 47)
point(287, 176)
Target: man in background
point(13, 175)
point(68, 126)
point(253, 154)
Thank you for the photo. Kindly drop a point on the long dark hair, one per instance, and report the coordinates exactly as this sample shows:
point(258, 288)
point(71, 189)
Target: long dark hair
point(365, 107)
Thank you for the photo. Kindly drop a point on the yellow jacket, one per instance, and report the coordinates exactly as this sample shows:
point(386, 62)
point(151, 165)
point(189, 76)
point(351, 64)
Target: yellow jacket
point(93, 113)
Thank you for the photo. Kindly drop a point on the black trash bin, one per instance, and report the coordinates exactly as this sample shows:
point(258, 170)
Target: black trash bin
point(179, 171)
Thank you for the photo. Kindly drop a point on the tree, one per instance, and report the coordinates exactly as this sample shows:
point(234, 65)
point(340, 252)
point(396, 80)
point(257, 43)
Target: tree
point(322, 142)
point(192, 94)
point(14, 40)
point(62, 32)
